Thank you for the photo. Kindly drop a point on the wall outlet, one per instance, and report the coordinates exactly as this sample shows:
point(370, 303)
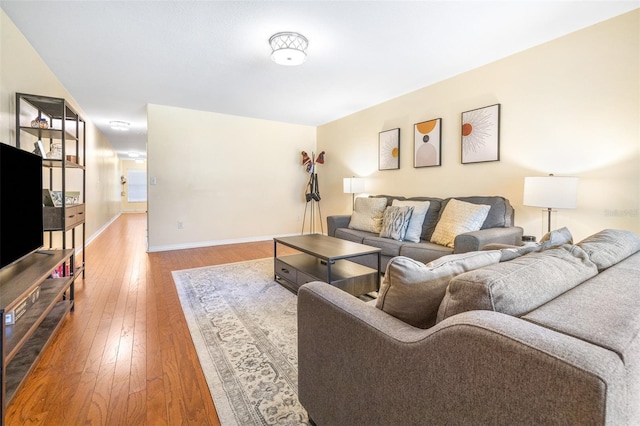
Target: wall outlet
point(180, 224)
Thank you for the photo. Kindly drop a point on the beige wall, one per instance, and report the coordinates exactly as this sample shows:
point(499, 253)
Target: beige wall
point(569, 107)
point(225, 178)
point(125, 205)
point(22, 70)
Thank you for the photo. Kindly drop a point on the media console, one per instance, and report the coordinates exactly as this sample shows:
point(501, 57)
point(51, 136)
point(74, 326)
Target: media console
point(50, 274)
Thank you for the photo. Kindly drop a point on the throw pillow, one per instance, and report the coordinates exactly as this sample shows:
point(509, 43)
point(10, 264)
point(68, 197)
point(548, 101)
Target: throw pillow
point(457, 218)
point(395, 221)
point(367, 214)
point(610, 246)
point(420, 208)
point(556, 238)
point(412, 291)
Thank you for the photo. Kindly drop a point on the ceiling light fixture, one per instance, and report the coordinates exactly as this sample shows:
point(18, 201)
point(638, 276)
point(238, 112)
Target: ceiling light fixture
point(119, 125)
point(134, 154)
point(288, 48)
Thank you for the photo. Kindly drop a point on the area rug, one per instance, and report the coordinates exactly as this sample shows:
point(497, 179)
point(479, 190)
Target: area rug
point(243, 325)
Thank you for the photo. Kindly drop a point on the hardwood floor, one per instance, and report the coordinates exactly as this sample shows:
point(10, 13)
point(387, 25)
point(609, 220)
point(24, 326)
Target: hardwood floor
point(125, 356)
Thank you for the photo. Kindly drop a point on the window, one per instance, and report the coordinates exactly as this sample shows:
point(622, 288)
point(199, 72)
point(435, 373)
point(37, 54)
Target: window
point(137, 181)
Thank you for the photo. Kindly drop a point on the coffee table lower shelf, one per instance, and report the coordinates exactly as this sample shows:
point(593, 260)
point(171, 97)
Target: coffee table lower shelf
point(298, 269)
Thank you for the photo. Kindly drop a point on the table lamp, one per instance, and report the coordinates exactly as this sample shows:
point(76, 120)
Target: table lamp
point(353, 186)
point(551, 192)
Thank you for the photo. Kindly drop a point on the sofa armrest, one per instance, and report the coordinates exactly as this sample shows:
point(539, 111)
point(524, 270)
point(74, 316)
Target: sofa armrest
point(358, 365)
point(472, 241)
point(335, 222)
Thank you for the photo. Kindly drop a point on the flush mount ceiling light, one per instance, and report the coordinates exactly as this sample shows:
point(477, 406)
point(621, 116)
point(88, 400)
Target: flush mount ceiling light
point(288, 48)
point(134, 154)
point(119, 125)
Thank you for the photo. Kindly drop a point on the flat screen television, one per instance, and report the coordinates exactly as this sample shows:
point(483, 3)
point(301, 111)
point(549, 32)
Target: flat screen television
point(21, 225)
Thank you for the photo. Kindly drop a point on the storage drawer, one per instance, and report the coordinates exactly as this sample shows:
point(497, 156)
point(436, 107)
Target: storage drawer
point(285, 271)
point(305, 278)
point(75, 215)
point(55, 218)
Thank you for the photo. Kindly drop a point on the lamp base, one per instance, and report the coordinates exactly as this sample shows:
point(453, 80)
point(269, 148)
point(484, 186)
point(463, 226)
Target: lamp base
point(549, 219)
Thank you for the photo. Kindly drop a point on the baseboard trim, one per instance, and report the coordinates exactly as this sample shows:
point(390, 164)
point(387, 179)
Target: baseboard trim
point(101, 230)
point(201, 244)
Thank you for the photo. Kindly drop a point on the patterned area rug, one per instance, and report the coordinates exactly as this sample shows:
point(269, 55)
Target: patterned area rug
point(243, 325)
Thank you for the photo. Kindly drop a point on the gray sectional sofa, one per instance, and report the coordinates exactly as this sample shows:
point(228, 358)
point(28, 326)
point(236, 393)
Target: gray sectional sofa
point(551, 337)
point(498, 227)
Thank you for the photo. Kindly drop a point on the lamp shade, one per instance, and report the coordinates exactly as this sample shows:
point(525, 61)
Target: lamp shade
point(557, 192)
point(353, 185)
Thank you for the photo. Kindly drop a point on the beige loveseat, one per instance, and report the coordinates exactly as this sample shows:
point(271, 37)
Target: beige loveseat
point(497, 227)
point(551, 337)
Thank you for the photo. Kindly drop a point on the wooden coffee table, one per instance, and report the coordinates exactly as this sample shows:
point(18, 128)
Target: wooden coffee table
point(324, 258)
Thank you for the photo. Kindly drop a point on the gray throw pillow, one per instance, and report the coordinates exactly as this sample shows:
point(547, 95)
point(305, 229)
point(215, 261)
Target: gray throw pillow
point(395, 222)
point(556, 238)
point(412, 291)
point(420, 209)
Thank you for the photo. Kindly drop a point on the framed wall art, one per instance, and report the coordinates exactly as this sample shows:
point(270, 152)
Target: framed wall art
point(481, 135)
point(389, 149)
point(426, 143)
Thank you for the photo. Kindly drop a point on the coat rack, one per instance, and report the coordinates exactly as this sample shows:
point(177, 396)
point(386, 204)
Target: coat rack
point(312, 192)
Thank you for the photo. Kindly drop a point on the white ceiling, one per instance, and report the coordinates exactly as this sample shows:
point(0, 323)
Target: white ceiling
point(114, 57)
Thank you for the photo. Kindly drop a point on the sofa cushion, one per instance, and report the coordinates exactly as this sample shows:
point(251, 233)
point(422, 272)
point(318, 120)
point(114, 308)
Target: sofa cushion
point(395, 221)
point(352, 235)
point(610, 246)
point(518, 286)
point(425, 251)
point(412, 291)
point(457, 218)
point(420, 208)
point(387, 246)
point(367, 214)
point(603, 311)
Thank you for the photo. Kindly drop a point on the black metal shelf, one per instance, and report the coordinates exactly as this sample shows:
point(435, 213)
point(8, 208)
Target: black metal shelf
point(48, 133)
point(56, 108)
point(68, 129)
point(55, 163)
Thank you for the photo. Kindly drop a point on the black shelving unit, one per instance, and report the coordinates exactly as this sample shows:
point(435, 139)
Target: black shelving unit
point(65, 129)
